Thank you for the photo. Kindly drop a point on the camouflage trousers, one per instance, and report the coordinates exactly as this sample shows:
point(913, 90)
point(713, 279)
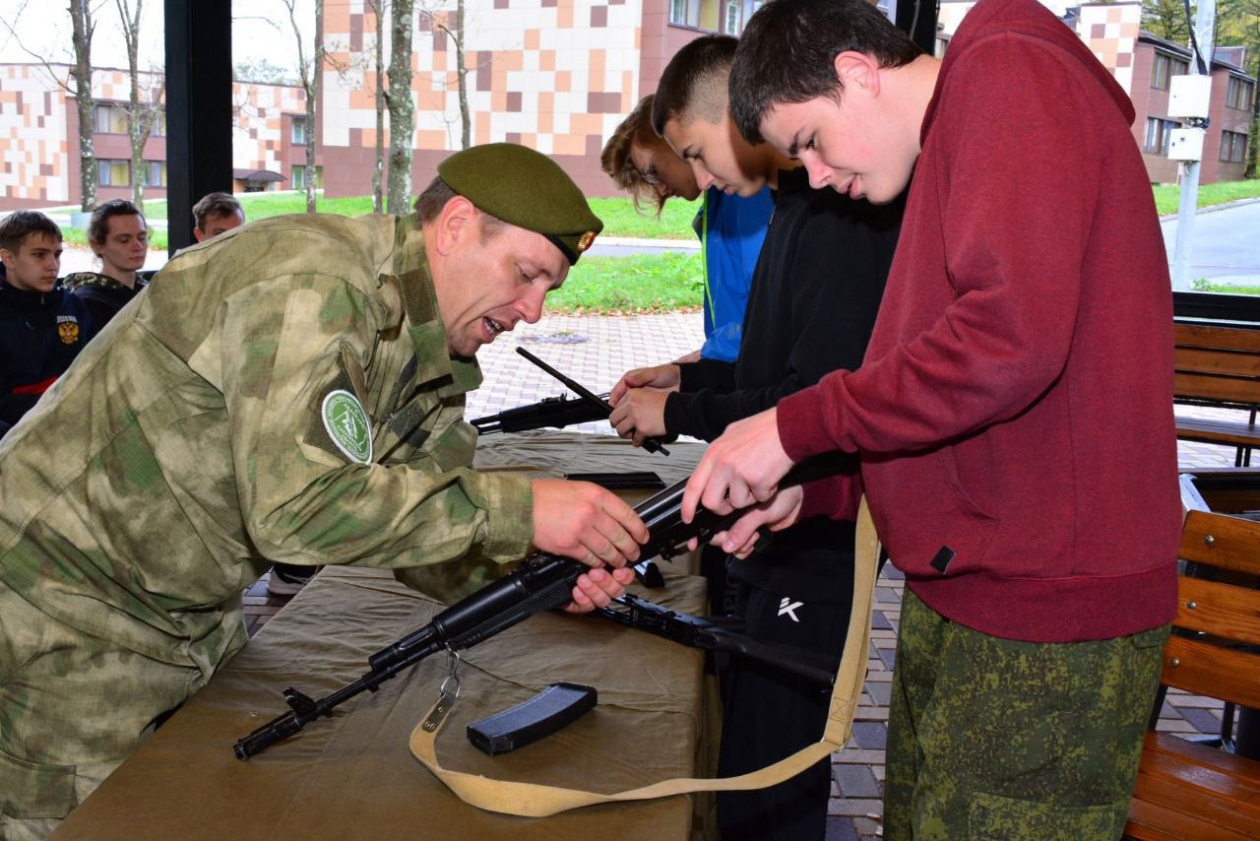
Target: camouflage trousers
point(72, 707)
point(998, 739)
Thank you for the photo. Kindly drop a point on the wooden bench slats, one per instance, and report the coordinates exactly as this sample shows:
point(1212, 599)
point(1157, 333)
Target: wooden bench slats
point(1152, 818)
point(1231, 362)
point(1226, 433)
point(1192, 385)
point(1212, 671)
point(1213, 336)
point(1220, 365)
point(1234, 542)
point(1185, 790)
point(1189, 791)
point(1219, 609)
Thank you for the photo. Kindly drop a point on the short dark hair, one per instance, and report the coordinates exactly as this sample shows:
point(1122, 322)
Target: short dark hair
point(616, 162)
point(694, 82)
point(98, 228)
point(788, 51)
point(16, 227)
point(429, 204)
point(215, 204)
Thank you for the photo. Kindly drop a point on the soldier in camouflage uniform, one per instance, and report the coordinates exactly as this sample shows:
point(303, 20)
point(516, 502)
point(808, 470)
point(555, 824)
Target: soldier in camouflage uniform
point(291, 391)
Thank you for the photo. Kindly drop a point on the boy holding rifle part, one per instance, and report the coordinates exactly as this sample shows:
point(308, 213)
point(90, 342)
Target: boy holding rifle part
point(815, 293)
point(1038, 535)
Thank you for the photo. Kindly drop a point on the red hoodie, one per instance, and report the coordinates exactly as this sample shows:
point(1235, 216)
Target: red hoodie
point(1014, 411)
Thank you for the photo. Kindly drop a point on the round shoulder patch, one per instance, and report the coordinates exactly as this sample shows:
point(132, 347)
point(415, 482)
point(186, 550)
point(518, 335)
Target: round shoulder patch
point(347, 425)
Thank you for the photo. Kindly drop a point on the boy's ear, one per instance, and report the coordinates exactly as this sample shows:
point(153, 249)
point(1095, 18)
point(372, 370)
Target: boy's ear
point(8, 258)
point(857, 68)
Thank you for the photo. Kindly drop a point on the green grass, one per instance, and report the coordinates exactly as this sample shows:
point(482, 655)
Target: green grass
point(1168, 198)
point(640, 284)
point(631, 285)
point(78, 236)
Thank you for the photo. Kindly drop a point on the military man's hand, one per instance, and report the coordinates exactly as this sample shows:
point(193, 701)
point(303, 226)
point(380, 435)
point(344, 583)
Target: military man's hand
point(598, 588)
point(583, 521)
point(641, 414)
point(665, 377)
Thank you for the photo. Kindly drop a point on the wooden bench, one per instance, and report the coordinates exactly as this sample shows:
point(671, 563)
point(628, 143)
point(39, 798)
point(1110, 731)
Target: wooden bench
point(1219, 366)
point(1186, 790)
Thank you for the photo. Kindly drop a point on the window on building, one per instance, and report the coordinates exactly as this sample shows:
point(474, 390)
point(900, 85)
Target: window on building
point(159, 125)
point(1233, 147)
point(732, 17)
point(113, 173)
point(298, 178)
point(678, 12)
point(1158, 133)
point(1238, 94)
point(1165, 68)
point(153, 174)
point(298, 134)
point(109, 118)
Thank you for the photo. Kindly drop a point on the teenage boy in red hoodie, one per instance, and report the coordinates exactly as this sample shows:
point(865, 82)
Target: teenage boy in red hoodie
point(1013, 412)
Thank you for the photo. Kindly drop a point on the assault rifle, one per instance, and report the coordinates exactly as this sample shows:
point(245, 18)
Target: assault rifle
point(544, 582)
point(556, 411)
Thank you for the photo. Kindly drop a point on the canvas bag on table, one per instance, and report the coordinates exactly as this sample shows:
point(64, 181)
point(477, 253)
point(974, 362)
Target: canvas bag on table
point(531, 800)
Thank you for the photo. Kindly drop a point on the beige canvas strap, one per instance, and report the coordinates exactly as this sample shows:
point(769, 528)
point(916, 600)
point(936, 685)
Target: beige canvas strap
point(530, 800)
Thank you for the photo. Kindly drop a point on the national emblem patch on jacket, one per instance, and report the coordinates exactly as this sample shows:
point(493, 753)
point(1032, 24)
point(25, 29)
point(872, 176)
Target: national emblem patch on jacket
point(68, 329)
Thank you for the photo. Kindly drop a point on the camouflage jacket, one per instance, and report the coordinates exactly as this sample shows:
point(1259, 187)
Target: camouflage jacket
point(283, 393)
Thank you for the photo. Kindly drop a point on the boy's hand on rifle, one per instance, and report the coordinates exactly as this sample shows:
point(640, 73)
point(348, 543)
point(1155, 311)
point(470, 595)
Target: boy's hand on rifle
point(665, 377)
point(640, 414)
point(775, 514)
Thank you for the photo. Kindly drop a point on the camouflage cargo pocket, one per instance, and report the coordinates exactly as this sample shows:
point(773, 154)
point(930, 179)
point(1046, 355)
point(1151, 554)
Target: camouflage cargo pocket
point(995, 818)
point(36, 791)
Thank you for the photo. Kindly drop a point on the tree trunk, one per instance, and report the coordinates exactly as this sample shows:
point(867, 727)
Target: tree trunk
point(465, 119)
point(81, 17)
point(378, 171)
point(401, 107)
point(139, 118)
point(312, 105)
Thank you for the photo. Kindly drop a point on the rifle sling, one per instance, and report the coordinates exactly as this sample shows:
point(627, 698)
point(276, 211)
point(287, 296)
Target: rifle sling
point(531, 800)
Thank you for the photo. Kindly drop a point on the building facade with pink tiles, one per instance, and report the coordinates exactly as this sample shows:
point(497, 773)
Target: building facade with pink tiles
point(39, 135)
point(556, 75)
point(1143, 64)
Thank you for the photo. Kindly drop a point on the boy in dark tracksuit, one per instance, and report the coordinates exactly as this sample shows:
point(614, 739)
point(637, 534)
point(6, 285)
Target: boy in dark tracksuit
point(815, 293)
point(42, 328)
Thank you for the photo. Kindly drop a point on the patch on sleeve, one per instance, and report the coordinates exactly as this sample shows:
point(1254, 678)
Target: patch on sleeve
point(347, 425)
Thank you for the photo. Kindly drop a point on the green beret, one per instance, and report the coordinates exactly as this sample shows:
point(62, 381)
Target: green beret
point(526, 189)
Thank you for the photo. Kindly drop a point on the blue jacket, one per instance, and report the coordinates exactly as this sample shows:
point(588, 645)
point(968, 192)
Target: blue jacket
point(731, 230)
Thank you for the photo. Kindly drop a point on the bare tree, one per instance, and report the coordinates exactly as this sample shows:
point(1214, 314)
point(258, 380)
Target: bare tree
point(309, 73)
point(84, 28)
point(78, 84)
point(378, 51)
point(453, 27)
point(144, 108)
point(402, 109)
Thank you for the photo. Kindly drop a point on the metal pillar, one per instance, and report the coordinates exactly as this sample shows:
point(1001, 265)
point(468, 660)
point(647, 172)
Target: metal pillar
point(198, 109)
